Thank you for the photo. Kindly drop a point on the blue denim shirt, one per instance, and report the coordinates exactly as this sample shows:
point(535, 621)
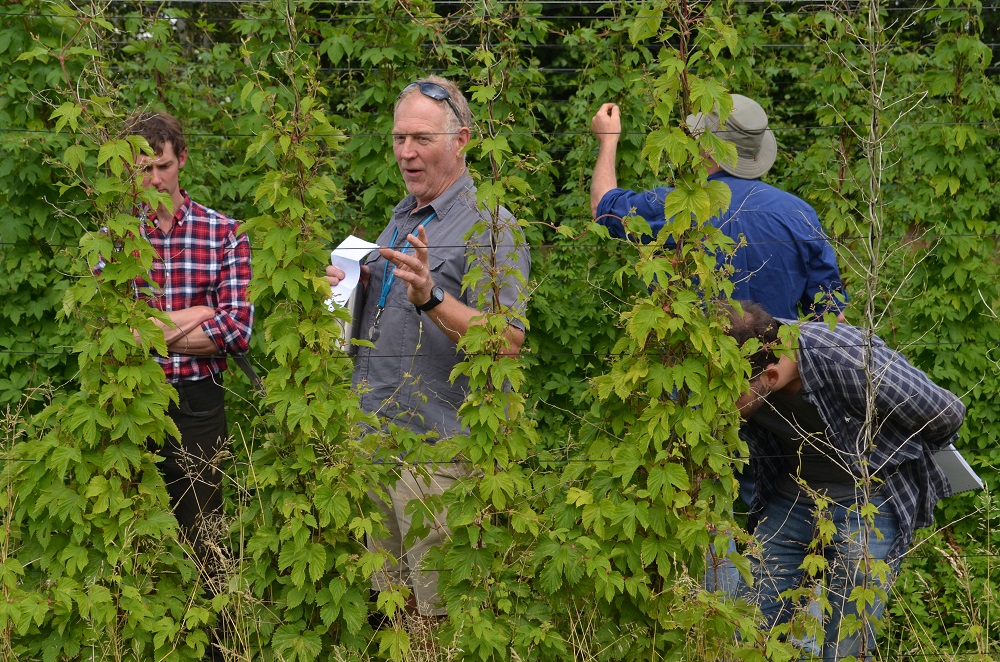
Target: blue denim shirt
point(787, 260)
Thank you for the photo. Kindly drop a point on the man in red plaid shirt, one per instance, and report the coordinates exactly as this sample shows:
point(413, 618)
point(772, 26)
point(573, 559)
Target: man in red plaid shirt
point(199, 278)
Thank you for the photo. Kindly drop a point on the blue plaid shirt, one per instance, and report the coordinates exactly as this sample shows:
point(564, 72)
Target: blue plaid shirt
point(841, 371)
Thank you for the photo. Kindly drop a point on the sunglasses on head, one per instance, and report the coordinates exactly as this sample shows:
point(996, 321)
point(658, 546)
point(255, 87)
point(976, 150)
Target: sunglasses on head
point(436, 92)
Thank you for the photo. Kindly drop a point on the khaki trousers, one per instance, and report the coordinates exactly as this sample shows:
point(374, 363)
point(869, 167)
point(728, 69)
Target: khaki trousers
point(419, 484)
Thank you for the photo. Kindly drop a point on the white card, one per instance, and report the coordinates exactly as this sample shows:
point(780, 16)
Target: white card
point(347, 256)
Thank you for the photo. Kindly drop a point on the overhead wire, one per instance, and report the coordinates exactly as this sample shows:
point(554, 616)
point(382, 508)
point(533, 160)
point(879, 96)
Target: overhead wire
point(603, 11)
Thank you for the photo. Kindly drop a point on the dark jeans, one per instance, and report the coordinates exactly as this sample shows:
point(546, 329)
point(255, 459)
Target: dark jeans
point(194, 482)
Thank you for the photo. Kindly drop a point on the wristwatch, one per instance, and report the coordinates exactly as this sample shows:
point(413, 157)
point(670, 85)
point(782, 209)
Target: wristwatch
point(437, 296)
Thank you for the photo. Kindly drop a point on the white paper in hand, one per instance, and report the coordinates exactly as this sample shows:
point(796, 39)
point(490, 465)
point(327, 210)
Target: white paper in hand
point(347, 256)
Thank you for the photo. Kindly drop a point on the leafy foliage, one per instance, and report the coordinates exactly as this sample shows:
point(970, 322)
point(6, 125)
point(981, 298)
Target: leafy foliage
point(603, 468)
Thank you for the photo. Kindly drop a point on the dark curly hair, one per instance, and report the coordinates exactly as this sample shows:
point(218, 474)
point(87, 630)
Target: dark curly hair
point(754, 322)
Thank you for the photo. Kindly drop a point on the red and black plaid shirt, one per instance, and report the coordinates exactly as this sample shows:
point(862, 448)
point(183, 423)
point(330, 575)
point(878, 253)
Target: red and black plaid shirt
point(202, 261)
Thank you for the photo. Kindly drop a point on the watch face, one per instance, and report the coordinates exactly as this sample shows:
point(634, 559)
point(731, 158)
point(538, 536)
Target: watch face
point(437, 296)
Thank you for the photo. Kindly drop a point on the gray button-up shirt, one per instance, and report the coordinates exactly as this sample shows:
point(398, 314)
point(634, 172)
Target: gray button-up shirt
point(405, 379)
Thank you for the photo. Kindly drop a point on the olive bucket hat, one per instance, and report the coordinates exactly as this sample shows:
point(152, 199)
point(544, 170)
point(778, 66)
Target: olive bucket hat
point(746, 127)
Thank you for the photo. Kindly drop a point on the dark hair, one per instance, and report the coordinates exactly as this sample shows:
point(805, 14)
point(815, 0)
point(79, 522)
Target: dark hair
point(158, 129)
point(754, 322)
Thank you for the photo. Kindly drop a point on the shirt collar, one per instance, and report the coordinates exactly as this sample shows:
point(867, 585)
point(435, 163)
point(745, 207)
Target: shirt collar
point(181, 213)
point(443, 202)
point(722, 174)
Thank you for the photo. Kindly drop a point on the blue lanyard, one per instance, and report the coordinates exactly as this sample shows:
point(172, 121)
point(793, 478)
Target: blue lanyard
point(389, 277)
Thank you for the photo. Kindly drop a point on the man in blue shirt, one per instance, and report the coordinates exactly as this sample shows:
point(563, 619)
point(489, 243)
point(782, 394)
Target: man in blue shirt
point(787, 264)
point(787, 260)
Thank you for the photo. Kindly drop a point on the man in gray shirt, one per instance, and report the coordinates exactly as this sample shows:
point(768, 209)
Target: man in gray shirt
point(415, 310)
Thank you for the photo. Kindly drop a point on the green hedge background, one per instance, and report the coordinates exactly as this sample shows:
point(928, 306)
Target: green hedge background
point(586, 533)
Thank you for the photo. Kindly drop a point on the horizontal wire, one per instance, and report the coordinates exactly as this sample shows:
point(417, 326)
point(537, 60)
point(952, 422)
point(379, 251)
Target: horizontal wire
point(904, 240)
point(430, 47)
point(530, 352)
point(567, 71)
point(362, 3)
point(572, 48)
point(947, 656)
point(388, 134)
point(513, 3)
point(531, 462)
point(472, 45)
point(464, 3)
point(820, 8)
point(561, 461)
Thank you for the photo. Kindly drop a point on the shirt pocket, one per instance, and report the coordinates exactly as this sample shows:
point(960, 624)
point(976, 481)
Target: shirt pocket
point(448, 267)
point(437, 267)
